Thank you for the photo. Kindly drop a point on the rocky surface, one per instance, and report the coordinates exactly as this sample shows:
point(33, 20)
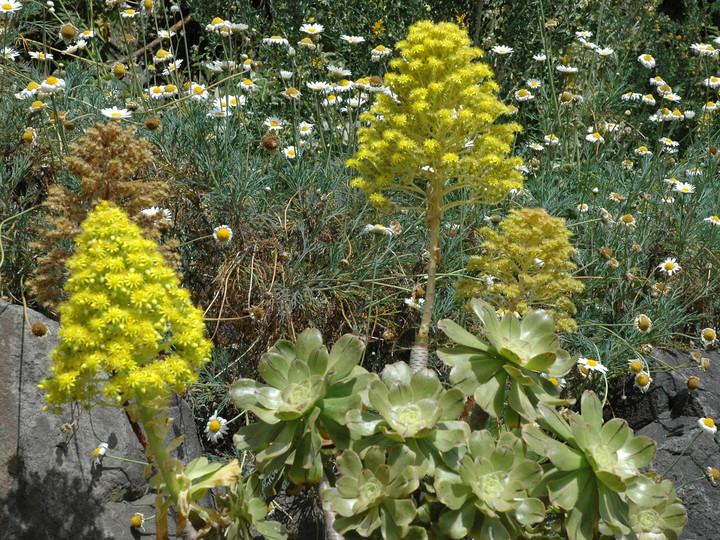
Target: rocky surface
point(669, 414)
point(48, 485)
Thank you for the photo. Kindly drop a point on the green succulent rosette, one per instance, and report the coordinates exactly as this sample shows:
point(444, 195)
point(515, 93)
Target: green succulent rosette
point(655, 510)
point(414, 409)
point(247, 511)
point(372, 497)
point(593, 469)
point(308, 392)
point(487, 494)
point(518, 355)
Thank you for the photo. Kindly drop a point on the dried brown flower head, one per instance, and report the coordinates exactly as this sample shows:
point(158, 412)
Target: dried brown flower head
point(692, 383)
point(270, 143)
point(39, 329)
point(152, 123)
point(108, 160)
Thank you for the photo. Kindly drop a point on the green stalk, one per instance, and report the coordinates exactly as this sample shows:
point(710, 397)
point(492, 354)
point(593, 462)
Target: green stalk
point(147, 417)
point(419, 352)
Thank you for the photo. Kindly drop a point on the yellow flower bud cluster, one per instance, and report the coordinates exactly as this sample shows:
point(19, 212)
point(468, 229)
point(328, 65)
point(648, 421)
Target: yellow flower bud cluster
point(437, 119)
point(526, 266)
point(127, 326)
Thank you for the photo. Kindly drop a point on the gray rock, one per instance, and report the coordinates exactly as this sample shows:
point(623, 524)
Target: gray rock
point(48, 485)
point(669, 414)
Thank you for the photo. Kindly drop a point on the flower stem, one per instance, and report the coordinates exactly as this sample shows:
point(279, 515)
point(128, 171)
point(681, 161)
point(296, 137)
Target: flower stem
point(419, 352)
point(682, 453)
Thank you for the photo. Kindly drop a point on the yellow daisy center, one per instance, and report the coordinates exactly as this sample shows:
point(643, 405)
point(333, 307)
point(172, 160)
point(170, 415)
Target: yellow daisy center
point(216, 20)
point(96, 452)
point(27, 136)
point(7, 7)
point(137, 521)
point(198, 90)
point(592, 363)
point(669, 266)
point(116, 114)
point(291, 152)
point(709, 422)
point(170, 88)
point(636, 366)
point(554, 381)
point(642, 379)
point(708, 334)
point(36, 104)
point(214, 424)
point(716, 219)
point(223, 235)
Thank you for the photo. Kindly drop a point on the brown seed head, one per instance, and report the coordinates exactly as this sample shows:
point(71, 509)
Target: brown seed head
point(39, 329)
point(692, 383)
point(152, 123)
point(270, 143)
point(68, 32)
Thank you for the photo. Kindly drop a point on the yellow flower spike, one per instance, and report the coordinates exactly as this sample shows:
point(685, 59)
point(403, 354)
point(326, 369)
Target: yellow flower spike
point(125, 319)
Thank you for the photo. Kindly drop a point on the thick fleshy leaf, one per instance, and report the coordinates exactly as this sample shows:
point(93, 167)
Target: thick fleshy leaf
point(242, 392)
point(268, 397)
point(389, 529)
point(400, 393)
point(461, 336)
point(518, 375)
point(458, 521)
point(425, 384)
point(402, 510)
point(565, 488)
point(451, 403)
point(307, 342)
point(537, 323)
point(374, 457)
point(529, 511)
point(317, 361)
point(450, 434)
point(519, 401)
point(378, 394)
point(280, 445)
point(490, 395)
point(613, 509)
point(541, 362)
point(615, 433)
point(273, 369)
point(510, 328)
point(450, 489)
point(611, 481)
point(639, 451)
point(591, 409)
point(459, 355)
point(528, 472)
point(581, 519)
point(555, 422)
point(363, 422)
point(644, 492)
point(493, 529)
point(298, 371)
point(399, 371)
point(502, 458)
point(563, 457)
point(675, 516)
point(563, 363)
point(481, 443)
point(345, 356)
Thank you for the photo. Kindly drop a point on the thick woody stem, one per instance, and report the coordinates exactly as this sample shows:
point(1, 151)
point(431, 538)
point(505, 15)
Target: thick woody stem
point(419, 352)
point(330, 532)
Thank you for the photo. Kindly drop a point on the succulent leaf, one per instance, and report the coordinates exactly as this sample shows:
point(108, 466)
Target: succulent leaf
point(308, 395)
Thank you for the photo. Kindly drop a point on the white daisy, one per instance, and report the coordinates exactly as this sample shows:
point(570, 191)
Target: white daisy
point(591, 365)
point(707, 425)
point(222, 234)
point(216, 428)
point(669, 266)
point(647, 60)
point(502, 49)
point(115, 113)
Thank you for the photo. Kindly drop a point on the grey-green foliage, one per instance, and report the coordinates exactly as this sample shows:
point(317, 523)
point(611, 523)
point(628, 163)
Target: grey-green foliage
point(516, 357)
point(487, 493)
point(373, 495)
point(593, 472)
point(414, 409)
point(308, 392)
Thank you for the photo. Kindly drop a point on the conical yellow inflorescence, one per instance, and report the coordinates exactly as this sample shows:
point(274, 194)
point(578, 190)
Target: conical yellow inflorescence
point(436, 125)
point(128, 328)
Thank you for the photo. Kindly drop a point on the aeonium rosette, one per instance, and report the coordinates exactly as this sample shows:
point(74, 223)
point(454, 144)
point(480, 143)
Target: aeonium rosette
point(308, 392)
point(524, 356)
